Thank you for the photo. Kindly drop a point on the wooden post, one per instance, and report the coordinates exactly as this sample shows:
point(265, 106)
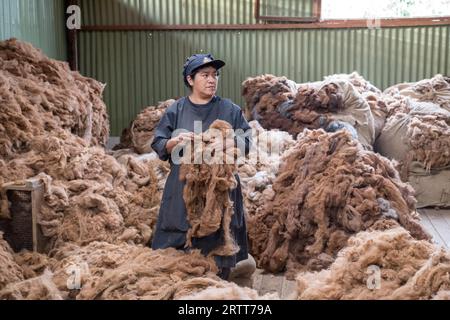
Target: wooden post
point(71, 35)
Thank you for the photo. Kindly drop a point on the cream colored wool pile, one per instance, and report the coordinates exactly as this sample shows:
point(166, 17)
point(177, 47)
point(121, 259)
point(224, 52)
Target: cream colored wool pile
point(406, 269)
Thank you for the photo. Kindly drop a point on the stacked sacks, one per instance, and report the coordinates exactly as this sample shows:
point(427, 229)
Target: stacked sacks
point(381, 264)
point(361, 84)
point(139, 135)
point(330, 105)
point(435, 90)
point(39, 95)
point(327, 189)
point(371, 94)
point(417, 134)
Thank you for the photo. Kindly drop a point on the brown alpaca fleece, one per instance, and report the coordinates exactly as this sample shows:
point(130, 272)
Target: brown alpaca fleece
point(139, 135)
point(207, 188)
point(39, 95)
point(328, 189)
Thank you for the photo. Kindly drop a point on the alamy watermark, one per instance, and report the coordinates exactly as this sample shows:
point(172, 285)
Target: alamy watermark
point(219, 147)
point(74, 20)
point(374, 279)
point(76, 273)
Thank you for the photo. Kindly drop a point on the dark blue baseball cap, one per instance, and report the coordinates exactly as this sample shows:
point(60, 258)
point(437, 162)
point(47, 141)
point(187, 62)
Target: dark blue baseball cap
point(198, 61)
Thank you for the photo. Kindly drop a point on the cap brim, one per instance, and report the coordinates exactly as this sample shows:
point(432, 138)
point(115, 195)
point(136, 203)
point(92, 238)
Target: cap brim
point(217, 64)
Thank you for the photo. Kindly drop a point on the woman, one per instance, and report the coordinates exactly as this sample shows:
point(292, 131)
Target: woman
point(200, 75)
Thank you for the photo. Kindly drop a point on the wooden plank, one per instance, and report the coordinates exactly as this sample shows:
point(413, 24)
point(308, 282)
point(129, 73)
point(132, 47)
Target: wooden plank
point(271, 284)
point(288, 289)
point(325, 24)
point(440, 224)
point(445, 213)
point(426, 223)
point(257, 280)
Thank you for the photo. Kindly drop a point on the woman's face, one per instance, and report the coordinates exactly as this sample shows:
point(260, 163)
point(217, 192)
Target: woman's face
point(205, 82)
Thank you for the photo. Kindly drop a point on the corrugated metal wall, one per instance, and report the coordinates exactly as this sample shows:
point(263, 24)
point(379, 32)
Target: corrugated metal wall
point(40, 22)
point(142, 68)
point(132, 12)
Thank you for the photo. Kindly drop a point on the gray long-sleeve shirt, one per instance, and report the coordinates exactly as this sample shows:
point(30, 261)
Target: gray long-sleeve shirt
point(172, 222)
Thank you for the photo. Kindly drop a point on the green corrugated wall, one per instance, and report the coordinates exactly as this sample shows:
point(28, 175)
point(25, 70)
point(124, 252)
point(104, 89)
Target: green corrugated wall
point(142, 68)
point(40, 22)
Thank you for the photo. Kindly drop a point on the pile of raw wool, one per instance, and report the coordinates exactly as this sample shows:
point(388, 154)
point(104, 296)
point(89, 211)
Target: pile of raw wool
point(10, 271)
point(328, 189)
point(160, 168)
point(139, 135)
point(263, 94)
point(435, 90)
point(53, 125)
point(102, 271)
point(39, 95)
point(129, 272)
point(39, 288)
point(381, 264)
point(207, 188)
point(417, 134)
point(89, 195)
point(259, 170)
point(329, 105)
point(265, 152)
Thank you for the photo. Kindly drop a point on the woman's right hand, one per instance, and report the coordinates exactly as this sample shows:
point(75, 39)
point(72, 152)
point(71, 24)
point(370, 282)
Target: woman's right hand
point(182, 138)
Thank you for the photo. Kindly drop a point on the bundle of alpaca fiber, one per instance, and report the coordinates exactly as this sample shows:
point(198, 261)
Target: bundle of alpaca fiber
point(39, 288)
point(32, 264)
point(160, 168)
point(89, 195)
point(328, 189)
point(381, 264)
point(272, 104)
point(39, 95)
point(130, 272)
point(139, 135)
point(263, 95)
point(329, 105)
point(207, 188)
point(435, 90)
